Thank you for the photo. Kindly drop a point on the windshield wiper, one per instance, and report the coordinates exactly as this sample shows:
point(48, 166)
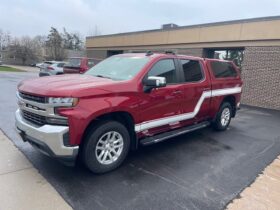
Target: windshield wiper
point(102, 76)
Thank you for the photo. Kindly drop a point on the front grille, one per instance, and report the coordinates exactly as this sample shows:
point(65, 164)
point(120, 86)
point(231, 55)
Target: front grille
point(34, 118)
point(29, 97)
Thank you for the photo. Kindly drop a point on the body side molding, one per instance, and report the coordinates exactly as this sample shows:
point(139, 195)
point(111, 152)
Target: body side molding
point(186, 116)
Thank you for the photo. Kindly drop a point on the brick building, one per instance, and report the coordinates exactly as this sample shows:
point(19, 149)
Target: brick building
point(256, 41)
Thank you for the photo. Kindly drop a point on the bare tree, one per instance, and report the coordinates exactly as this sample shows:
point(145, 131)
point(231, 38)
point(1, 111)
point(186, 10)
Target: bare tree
point(35, 49)
point(23, 49)
point(5, 39)
point(54, 45)
point(67, 40)
point(234, 55)
point(40, 45)
point(72, 41)
point(78, 41)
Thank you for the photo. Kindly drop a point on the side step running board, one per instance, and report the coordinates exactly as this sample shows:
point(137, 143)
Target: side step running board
point(173, 133)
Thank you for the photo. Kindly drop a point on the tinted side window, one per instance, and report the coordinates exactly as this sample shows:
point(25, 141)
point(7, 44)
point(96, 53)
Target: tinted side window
point(164, 68)
point(223, 69)
point(60, 64)
point(192, 70)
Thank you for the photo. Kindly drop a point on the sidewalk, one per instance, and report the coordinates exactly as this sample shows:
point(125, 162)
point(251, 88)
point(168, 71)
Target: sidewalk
point(22, 187)
point(264, 193)
point(25, 68)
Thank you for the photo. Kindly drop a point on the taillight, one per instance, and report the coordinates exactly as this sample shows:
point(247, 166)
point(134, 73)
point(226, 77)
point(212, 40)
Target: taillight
point(50, 68)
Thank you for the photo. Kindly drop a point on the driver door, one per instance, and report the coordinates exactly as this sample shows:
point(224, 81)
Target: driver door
point(161, 105)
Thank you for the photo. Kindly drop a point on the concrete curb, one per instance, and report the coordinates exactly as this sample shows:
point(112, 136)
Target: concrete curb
point(22, 187)
point(25, 68)
point(262, 194)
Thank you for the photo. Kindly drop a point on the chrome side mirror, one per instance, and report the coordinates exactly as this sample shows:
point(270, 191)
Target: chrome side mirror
point(154, 82)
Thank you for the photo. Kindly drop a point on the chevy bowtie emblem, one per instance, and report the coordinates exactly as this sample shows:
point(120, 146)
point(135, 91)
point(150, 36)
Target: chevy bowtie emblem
point(32, 107)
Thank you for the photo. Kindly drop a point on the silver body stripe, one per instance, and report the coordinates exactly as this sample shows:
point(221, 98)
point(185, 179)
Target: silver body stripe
point(186, 116)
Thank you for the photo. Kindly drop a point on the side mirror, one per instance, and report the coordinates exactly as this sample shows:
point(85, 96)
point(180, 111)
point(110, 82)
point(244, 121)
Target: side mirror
point(154, 82)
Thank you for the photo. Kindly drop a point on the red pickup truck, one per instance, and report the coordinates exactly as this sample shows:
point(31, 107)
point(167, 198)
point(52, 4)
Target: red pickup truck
point(125, 101)
point(79, 65)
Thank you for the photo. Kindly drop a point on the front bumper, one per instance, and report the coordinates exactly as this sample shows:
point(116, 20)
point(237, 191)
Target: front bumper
point(48, 139)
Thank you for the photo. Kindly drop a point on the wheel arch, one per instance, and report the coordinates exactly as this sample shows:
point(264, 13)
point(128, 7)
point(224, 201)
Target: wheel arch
point(232, 100)
point(123, 117)
point(219, 102)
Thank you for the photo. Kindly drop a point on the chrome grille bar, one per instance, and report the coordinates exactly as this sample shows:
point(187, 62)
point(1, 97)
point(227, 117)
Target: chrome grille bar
point(34, 118)
point(39, 99)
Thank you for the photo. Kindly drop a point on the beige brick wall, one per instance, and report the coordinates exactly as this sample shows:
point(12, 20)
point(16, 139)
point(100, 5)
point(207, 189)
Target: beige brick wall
point(191, 51)
point(261, 75)
point(96, 53)
point(183, 51)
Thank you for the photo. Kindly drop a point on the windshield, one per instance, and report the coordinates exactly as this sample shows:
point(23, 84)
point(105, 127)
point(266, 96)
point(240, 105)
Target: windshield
point(73, 62)
point(118, 67)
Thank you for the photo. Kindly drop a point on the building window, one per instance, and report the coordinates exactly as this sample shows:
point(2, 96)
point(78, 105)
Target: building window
point(235, 55)
point(192, 70)
point(231, 55)
point(164, 68)
point(114, 52)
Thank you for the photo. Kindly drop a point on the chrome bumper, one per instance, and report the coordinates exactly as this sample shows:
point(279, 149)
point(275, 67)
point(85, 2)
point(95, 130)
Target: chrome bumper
point(47, 138)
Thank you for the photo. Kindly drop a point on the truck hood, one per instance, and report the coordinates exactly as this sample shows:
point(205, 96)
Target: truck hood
point(64, 85)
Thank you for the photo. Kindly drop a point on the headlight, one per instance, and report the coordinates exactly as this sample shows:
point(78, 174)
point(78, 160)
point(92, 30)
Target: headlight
point(61, 101)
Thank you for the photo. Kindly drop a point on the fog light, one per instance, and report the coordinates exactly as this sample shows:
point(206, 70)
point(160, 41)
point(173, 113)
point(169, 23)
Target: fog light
point(57, 121)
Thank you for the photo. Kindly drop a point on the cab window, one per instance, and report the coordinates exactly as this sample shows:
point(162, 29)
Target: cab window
point(164, 68)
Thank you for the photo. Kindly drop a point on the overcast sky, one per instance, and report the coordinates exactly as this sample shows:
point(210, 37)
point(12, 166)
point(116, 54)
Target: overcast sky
point(33, 17)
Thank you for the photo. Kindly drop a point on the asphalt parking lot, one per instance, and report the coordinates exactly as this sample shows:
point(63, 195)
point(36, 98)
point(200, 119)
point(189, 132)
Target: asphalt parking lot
point(201, 170)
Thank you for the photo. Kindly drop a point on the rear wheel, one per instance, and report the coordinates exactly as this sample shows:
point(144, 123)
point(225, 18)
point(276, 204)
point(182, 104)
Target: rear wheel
point(223, 117)
point(106, 147)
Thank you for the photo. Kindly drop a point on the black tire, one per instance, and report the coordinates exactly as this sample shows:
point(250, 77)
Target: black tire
point(217, 124)
point(89, 155)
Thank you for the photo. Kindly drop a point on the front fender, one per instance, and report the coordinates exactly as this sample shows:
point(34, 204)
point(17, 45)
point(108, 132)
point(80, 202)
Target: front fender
point(89, 109)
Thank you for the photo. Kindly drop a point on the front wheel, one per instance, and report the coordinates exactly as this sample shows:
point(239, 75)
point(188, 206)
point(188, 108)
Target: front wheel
point(106, 147)
point(223, 117)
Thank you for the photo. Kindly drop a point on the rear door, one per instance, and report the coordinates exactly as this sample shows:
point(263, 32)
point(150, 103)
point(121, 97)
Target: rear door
point(197, 90)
